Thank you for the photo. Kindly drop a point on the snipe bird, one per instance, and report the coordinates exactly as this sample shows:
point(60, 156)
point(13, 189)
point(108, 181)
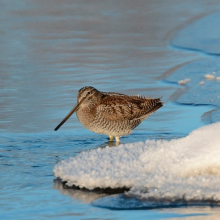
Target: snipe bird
point(110, 113)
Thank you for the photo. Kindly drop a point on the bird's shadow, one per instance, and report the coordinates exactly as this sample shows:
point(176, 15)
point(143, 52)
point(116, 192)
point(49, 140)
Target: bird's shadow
point(109, 144)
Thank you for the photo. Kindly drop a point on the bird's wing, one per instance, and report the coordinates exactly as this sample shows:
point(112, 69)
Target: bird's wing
point(118, 108)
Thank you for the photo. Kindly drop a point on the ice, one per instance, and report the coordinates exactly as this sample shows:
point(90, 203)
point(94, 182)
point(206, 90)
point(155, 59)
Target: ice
point(201, 83)
point(209, 77)
point(186, 169)
point(203, 34)
point(184, 81)
point(200, 89)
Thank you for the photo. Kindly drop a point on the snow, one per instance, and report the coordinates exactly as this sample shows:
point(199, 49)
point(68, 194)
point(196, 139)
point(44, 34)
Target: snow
point(183, 81)
point(209, 76)
point(201, 83)
point(187, 168)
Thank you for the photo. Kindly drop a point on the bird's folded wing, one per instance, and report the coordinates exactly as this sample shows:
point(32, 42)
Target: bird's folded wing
point(120, 108)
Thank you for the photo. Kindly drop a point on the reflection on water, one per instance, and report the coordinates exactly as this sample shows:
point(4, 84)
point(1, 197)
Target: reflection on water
point(49, 50)
point(124, 202)
point(76, 194)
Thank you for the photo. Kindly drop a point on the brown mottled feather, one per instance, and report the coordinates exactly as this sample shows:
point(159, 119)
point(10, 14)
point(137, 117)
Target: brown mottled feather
point(114, 107)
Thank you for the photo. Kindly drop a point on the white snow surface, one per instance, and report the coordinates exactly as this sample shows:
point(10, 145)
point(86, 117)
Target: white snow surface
point(183, 81)
point(187, 168)
point(209, 76)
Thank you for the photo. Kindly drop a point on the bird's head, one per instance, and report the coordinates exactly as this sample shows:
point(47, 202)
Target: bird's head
point(87, 97)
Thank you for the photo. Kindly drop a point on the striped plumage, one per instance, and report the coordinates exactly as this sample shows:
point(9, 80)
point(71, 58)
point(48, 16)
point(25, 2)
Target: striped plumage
point(109, 113)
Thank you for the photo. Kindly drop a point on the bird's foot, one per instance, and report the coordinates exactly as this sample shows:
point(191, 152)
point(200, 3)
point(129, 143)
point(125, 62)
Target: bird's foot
point(117, 139)
point(111, 138)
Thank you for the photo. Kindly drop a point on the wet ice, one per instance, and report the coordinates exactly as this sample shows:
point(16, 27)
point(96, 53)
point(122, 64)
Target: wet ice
point(203, 35)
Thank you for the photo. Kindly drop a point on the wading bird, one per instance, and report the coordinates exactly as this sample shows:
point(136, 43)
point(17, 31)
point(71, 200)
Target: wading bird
point(110, 113)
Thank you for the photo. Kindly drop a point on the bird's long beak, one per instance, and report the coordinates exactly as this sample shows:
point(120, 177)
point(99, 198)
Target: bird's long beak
point(75, 108)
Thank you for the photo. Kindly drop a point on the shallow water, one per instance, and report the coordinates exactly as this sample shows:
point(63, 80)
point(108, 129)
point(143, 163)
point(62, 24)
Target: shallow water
point(48, 52)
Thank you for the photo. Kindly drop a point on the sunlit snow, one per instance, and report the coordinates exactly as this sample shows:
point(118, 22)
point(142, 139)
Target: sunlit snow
point(187, 168)
point(183, 81)
point(209, 76)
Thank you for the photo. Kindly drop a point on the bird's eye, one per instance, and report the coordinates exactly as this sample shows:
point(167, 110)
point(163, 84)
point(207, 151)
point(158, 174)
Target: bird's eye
point(88, 93)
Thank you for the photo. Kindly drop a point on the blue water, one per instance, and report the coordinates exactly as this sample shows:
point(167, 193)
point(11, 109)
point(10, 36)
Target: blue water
point(49, 51)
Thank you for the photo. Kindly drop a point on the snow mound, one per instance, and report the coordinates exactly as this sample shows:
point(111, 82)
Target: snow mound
point(180, 169)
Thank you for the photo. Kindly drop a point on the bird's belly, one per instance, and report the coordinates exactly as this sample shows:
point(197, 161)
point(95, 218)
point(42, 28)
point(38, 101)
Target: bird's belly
point(102, 126)
point(113, 128)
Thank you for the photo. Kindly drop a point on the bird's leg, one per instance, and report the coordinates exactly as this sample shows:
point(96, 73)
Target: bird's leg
point(111, 138)
point(117, 139)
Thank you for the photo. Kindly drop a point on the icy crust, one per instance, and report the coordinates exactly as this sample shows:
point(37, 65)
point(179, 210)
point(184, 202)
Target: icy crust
point(180, 169)
point(202, 34)
point(203, 84)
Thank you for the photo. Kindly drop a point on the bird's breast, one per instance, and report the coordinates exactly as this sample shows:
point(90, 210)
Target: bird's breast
point(86, 116)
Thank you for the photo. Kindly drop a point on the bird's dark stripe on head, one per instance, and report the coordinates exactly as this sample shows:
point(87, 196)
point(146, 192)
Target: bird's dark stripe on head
point(85, 87)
